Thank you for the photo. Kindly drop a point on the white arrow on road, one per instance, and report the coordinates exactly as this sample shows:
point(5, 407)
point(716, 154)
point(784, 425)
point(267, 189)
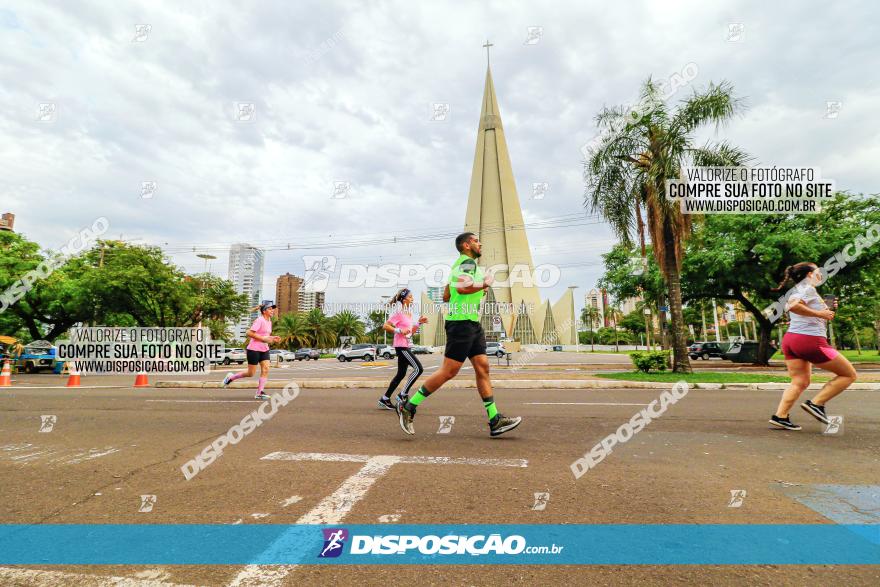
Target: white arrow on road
point(333, 508)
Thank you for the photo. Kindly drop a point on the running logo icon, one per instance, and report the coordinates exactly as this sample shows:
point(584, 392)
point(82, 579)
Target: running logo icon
point(147, 503)
point(334, 542)
point(318, 269)
point(446, 423)
point(47, 423)
point(737, 497)
point(835, 425)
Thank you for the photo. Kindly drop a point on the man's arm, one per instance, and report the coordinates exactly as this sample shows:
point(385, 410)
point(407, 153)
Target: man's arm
point(446, 293)
point(465, 284)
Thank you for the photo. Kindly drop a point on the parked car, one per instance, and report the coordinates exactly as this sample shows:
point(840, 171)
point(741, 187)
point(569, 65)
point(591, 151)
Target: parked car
point(421, 350)
point(280, 355)
point(234, 356)
point(495, 348)
point(366, 352)
point(307, 354)
point(386, 351)
point(704, 350)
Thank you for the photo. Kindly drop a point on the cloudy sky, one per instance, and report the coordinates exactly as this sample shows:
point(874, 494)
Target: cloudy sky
point(345, 93)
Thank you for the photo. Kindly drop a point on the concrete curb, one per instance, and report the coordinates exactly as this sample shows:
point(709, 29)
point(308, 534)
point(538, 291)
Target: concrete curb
point(503, 383)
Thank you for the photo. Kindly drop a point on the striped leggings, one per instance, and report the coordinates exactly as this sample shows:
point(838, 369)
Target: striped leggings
point(405, 360)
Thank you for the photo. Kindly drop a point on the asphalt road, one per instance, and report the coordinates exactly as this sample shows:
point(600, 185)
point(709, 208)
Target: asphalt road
point(109, 446)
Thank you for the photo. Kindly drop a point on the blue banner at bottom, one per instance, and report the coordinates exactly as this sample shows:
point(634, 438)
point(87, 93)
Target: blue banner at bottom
point(674, 544)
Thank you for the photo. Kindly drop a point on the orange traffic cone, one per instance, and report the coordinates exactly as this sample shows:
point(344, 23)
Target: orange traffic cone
point(141, 380)
point(6, 375)
point(73, 380)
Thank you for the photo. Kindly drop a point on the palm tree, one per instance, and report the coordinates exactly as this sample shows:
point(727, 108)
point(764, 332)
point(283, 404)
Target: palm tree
point(627, 172)
point(319, 328)
point(588, 314)
point(615, 314)
point(292, 330)
point(347, 323)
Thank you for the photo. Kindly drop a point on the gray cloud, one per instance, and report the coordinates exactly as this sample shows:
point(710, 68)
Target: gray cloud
point(343, 93)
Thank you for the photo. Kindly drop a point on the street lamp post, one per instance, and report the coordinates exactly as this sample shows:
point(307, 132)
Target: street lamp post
point(385, 306)
point(206, 257)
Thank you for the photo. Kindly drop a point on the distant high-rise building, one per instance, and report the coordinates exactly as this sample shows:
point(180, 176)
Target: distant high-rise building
point(7, 221)
point(287, 293)
point(597, 299)
point(246, 275)
point(309, 300)
point(435, 294)
point(628, 305)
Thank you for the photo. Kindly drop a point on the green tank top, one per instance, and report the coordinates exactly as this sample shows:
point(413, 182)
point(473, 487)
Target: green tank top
point(464, 306)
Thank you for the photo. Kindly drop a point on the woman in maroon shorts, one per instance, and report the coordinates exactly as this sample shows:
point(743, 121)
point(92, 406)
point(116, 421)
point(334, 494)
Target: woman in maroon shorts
point(805, 345)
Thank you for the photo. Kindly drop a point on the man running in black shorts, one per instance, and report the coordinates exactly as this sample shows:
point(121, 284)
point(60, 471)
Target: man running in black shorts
point(464, 338)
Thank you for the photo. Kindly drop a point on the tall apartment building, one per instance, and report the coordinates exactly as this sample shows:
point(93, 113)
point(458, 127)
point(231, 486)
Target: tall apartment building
point(309, 300)
point(598, 299)
point(246, 275)
point(287, 293)
point(7, 221)
point(435, 294)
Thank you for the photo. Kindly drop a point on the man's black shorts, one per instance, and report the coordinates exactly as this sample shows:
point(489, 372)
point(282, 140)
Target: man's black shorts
point(464, 339)
point(255, 357)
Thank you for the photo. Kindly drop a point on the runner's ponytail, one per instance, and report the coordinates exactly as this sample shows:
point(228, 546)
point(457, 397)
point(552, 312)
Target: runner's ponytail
point(795, 273)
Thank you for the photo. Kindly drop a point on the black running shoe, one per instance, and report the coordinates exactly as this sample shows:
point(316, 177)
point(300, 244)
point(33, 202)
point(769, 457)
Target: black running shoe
point(501, 424)
point(817, 412)
point(406, 418)
point(385, 403)
point(783, 423)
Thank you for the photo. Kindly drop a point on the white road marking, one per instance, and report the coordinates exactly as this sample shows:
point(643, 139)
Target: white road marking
point(203, 401)
point(93, 453)
point(333, 508)
point(580, 404)
point(291, 500)
point(31, 456)
point(258, 516)
point(27, 453)
point(389, 518)
point(34, 386)
point(344, 458)
point(38, 578)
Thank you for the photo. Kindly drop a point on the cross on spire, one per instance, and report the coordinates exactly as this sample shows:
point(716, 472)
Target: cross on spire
point(487, 45)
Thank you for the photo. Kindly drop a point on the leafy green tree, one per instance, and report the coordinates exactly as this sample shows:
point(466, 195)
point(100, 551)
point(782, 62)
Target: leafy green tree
point(54, 297)
point(627, 172)
point(141, 282)
point(375, 320)
point(741, 257)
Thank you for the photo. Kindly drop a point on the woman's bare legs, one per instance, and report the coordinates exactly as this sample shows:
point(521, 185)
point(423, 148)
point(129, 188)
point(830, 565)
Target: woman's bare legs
point(846, 375)
point(799, 371)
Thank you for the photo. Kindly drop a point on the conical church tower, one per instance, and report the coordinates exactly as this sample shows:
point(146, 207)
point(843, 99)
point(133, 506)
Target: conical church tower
point(495, 215)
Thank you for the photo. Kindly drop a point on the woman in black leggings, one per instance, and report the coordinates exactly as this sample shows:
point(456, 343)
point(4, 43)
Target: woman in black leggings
point(402, 325)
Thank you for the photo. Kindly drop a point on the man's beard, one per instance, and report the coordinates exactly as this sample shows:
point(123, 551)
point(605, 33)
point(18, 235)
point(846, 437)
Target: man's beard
point(477, 254)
